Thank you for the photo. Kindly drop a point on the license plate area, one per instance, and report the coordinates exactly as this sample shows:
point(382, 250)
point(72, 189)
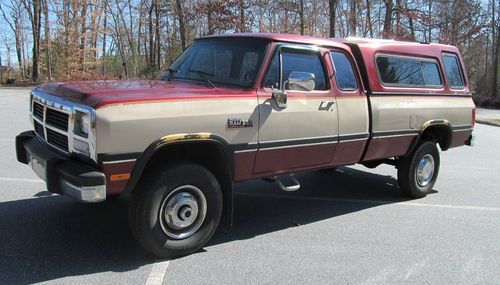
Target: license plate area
point(38, 167)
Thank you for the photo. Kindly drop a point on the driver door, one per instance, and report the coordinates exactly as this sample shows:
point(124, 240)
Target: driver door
point(304, 133)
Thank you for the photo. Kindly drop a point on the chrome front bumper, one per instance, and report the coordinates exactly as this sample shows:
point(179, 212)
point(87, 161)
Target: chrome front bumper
point(63, 175)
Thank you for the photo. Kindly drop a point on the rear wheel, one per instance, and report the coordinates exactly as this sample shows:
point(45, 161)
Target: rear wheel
point(418, 172)
point(176, 211)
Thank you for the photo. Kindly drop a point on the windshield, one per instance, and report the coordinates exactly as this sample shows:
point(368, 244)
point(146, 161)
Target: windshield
point(231, 62)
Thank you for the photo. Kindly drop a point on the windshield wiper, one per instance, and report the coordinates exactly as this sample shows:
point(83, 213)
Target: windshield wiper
point(171, 71)
point(203, 75)
point(168, 76)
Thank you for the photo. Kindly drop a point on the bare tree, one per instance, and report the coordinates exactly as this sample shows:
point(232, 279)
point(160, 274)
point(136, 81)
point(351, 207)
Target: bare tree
point(332, 8)
point(83, 34)
point(182, 28)
point(14, 20)
point(352, 19)
point(33, 8)
point(48, 50)
point(387, 33)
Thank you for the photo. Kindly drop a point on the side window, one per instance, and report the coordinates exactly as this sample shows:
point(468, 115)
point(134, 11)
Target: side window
point(304, 62)
point(430, 70)
point(404, 71)
point(344, 74)
point(249, 64)
point(273, 74)
point(453, 71)
point(295, 61)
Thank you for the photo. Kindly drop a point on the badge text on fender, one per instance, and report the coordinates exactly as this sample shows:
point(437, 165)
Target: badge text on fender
point(238, 123)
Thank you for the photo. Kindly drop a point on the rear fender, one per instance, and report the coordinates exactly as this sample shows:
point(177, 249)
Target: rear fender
point(440, 129)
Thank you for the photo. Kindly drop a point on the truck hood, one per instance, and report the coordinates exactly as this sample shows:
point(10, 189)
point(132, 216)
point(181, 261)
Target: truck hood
point(101, 93)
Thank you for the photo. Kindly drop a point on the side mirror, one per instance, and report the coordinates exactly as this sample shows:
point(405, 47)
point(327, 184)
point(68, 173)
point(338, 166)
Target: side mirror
point(301, 81)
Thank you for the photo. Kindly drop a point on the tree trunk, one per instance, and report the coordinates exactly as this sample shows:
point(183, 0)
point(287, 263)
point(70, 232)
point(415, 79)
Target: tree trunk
point(397, 32)
point(494, 45)
point(332, 5)
point(369, 18)
point(352, 19)
point(151, 35)
point(182, 28)
point(104, 34)
point(242, 24)
point(410, 23)
point(157, 36)
point(387, 19)
point(429, 36)
point(301, 16)
point(35, 24)
point(139, 28)
point(83, 34)
point(495, 65)
point(66, 37)
point(209, 18)
point(48, 54)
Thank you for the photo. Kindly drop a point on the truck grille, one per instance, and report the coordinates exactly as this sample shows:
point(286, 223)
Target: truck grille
point(57, 119)
point(53, 123)
point(39, 130)
point(38, 110)
point(57, 139)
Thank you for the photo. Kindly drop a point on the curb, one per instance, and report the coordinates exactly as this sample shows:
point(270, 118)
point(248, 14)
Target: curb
point(485, 122)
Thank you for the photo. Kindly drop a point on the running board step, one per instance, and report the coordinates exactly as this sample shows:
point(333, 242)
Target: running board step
point(290, 188)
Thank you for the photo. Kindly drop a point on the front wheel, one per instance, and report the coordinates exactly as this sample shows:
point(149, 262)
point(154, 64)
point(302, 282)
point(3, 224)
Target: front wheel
point(176, 211)
point(418, 172)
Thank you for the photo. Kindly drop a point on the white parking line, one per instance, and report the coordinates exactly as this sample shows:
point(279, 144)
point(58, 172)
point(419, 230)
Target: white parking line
point(25, 180)
point(157, 273)
point(380, 202)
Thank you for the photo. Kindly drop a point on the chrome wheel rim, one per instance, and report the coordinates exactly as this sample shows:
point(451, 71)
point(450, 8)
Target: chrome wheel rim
point(182, 212)
point(425, 170)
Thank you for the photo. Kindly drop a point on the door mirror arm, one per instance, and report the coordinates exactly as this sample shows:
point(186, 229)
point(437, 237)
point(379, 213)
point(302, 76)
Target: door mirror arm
point(281, 96)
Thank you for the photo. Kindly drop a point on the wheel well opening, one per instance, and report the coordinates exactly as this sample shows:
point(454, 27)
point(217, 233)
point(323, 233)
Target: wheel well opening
point(440, 134)
point(210, 155)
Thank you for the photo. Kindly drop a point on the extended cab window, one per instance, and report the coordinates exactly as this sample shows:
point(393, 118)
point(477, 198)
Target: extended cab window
point(344, 74)
point(453, 71)
point(295, 60)
point(405, 71)
point(231, 62)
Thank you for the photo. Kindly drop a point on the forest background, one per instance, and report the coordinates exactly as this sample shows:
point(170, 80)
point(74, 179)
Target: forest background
point(61, 40)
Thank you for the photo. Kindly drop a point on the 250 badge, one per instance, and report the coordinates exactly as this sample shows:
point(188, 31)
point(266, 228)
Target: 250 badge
point(238, 123)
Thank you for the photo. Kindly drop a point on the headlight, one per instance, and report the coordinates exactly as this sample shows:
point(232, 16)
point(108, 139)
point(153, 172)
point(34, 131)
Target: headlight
point(82, 124)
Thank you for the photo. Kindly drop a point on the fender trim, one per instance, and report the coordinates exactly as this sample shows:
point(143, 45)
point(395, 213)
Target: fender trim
point(165, 141)
point(428, 124)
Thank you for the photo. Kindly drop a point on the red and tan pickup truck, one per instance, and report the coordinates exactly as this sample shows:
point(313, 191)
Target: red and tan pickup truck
point(246, 106)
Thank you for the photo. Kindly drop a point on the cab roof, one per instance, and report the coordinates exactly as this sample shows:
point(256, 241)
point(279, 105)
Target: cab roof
point(403, 47)
point(282, 38)
point(363, 43)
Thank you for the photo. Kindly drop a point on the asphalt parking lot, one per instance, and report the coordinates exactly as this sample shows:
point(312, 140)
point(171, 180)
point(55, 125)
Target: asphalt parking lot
point(349, 226)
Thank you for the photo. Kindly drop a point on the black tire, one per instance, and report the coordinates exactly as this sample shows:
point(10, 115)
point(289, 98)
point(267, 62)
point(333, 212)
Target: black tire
point(408, 170)
point(152, 229)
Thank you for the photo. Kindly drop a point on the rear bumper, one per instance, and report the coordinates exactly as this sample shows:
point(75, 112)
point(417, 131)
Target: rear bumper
point(62, 175)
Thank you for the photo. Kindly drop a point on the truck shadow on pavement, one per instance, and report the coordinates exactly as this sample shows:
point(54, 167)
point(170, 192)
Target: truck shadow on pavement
point(260, 207)
point(48, 238)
